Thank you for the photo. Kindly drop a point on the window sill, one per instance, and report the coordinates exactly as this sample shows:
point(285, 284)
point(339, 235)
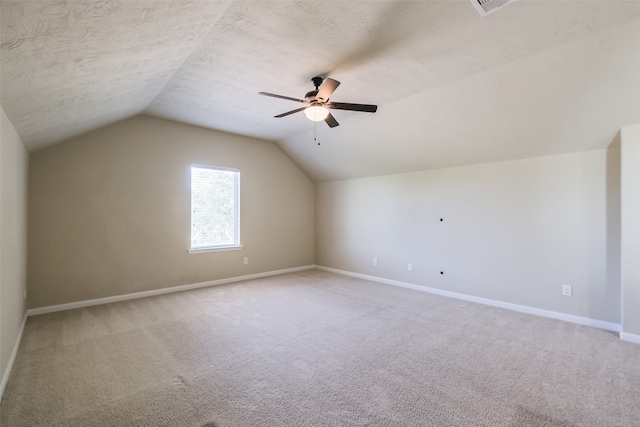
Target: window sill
point(215, 249)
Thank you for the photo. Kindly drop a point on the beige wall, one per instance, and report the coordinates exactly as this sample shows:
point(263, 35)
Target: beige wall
point(109, 211)
point(630, 172)
point(512, 231)
point(14, 165)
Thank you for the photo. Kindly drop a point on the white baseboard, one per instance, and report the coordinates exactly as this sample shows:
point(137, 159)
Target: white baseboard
point(144, 294)
point(615, 327)
point(12, 359)
point(626, 336)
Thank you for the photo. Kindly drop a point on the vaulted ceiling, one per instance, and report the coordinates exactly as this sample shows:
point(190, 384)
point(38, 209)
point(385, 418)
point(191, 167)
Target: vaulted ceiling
point(453, 88)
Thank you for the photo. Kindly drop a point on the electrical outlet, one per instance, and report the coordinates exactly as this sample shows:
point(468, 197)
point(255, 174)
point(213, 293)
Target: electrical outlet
point(567, 290)
point(246, 261)
point(375, 261)
point(410, 267)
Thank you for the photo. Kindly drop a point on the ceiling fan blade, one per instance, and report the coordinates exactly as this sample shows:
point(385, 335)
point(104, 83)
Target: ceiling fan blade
point(367, 108)
point(297, 110)
point(331, 121)
point(273, 95)
point(327, 89)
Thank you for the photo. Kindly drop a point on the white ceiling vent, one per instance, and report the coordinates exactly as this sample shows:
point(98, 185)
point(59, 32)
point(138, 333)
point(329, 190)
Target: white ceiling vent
point(485, 7)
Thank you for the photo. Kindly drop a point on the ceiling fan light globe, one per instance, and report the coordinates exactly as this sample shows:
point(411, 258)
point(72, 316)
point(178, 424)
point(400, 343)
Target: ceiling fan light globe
point(316, 113)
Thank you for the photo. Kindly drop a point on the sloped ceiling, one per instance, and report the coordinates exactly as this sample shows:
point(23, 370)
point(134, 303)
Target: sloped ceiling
point(534, 78)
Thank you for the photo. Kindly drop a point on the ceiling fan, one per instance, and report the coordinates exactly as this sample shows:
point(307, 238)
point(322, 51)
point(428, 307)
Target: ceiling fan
point(318, 105)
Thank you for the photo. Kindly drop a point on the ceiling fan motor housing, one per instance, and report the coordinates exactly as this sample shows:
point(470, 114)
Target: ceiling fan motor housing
point(311, 95)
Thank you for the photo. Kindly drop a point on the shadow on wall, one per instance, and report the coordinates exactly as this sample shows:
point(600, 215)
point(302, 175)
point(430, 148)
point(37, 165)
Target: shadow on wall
point(613, 239)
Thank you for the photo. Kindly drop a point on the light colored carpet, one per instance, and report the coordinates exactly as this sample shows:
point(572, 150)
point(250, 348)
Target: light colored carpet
point(317, 349)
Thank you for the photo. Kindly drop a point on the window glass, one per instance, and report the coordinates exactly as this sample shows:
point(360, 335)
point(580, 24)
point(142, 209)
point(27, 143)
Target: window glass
point(215, 207)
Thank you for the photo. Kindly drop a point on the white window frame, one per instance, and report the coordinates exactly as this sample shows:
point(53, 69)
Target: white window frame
point(216, 248)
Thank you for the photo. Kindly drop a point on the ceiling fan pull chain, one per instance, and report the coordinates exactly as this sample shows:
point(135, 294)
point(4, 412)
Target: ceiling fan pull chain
point(315, 131)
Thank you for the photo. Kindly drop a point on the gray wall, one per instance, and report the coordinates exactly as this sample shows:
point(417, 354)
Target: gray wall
point(512, 231)
point(14, 165)
point(109, 211)
point(630, 141)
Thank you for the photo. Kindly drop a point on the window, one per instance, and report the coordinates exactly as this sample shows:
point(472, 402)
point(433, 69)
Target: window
point(215, 208)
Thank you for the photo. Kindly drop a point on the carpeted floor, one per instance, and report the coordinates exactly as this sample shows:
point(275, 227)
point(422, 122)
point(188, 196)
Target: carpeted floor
point(317, 349)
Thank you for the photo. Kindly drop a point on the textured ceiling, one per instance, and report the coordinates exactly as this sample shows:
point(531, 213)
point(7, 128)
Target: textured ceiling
point(534, 78)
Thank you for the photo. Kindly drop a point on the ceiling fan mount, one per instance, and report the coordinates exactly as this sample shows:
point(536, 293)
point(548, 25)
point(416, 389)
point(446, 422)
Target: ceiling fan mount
point(318, 105)
point(317, 81)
